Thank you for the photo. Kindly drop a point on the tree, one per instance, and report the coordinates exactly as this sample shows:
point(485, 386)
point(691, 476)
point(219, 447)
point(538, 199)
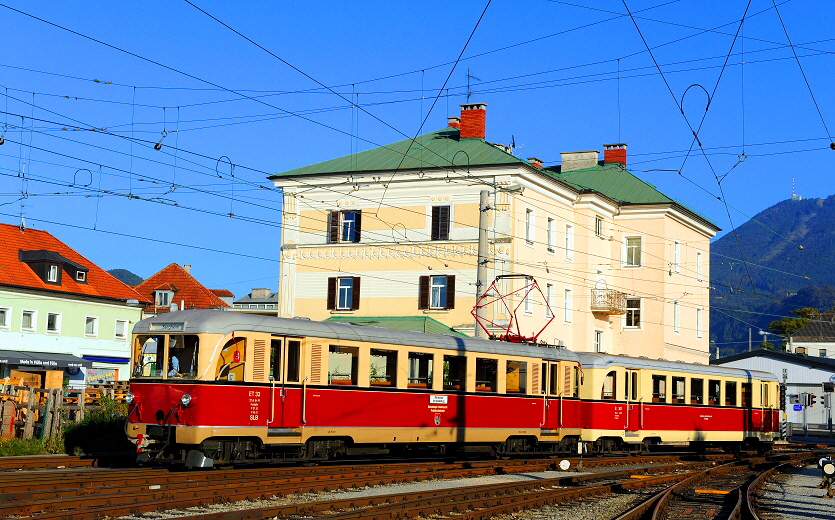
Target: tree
point(786, 326)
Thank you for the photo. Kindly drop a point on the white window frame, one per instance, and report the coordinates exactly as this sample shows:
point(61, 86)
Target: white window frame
point(440, 286)
point(569, 242)
point(676, 256)
point(676, 317)
point(567, 303)
point(530, 225)
point(551, 231)
point(57, 323)
point(52, 273)
point(158, 297)
point(95, 332)
point(8, 314)
point(349, 226)
point(699, 275)
point(598, 226)
point(80, 276)
point(627, 247)
point(34, 326)
point(116, 334)
point(339, 289)
point(599, 340)
point(549, 295)
point(628, 308)
point(527, 304)
point(699, 323)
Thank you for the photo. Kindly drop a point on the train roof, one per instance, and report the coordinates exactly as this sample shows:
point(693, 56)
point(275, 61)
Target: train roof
point(224, 322)
point(595, 360)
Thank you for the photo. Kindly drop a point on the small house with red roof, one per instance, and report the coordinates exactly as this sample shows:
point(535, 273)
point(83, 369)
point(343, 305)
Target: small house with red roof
point(174, 288)
point(63, 319)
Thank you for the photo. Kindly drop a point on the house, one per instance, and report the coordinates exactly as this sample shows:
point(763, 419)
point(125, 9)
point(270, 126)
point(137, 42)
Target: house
point(394, 231)
point(804, 374)
point(174, 288)
point(259, 301)
point(62, 318)
point(816, 338)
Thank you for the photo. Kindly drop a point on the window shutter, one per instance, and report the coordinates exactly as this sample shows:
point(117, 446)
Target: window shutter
point(331, 293)
point(423, 293)
point(450, 292)
point(355, 294)
point(357, 227)
point(333, 228)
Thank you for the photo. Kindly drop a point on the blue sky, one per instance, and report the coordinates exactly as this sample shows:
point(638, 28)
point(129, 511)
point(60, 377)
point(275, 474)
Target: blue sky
point(547, 69)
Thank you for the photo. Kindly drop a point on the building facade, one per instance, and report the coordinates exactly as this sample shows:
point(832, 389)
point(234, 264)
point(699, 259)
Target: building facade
point(62, 318)
point(393, 231)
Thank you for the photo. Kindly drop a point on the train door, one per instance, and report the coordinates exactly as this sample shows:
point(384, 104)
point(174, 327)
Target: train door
point(285, 375)
point(634, 401)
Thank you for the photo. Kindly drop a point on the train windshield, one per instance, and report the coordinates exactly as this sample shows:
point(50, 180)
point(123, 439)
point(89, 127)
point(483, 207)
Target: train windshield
point(170, 356)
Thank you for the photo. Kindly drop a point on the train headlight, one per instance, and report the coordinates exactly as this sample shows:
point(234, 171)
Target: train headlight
point(129, 397)
point(186, 400)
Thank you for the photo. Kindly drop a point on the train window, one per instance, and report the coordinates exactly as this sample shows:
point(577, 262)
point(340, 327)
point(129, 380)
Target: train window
point(626, 386)
point(746, 395)
point(609, 385)
point(765, 400)
point(294, 356)
point(486, 374)
point(634, 386)
point(420, 370)
point(342, 365)
point(713, 389)
point(659, 389)
point(678, 389)
point(182, 357)
point(231, 363)
point(383, 368)
point(576, 390)
point(275, 359)
point(697, 391)
point(147, 355)
point(730, 393)
point(554, 386)
point(455, 372)
point(516, 377)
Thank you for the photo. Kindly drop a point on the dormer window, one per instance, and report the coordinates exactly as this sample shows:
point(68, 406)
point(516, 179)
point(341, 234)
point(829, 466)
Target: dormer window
point(53, 273)
point(81, 276)
point(49, 266)
point(163, 298)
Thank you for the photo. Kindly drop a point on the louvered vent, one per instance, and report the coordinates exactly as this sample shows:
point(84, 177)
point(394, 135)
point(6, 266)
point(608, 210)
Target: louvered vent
point(566, 389)
point(259, 369)
point(316, 364)
point(535, 374)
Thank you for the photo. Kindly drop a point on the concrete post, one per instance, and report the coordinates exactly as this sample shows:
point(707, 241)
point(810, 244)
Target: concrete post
point(481, 269)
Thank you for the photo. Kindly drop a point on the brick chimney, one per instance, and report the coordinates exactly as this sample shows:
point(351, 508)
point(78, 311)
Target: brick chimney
point(473, 120)
point(454, 122)
point(536, 163)
point(614, 154)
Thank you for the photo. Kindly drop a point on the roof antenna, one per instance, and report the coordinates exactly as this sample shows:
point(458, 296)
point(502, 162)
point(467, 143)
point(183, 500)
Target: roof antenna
point(470, 76)
point(22, 219)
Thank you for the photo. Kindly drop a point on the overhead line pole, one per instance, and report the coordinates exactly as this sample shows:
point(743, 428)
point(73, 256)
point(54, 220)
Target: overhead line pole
point(481, 270)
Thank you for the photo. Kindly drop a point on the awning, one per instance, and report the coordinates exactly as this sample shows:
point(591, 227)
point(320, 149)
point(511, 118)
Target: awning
point(43, 360)
point(107, 359)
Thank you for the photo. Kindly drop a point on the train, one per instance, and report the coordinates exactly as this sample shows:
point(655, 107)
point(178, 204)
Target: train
point(211, 388)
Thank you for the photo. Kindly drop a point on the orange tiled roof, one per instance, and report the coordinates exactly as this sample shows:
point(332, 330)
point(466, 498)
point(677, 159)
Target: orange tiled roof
point(187, 290)
point(14, 272)
point(222, 292)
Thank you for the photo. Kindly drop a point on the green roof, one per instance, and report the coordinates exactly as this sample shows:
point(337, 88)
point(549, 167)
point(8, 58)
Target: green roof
point(439, 149)
point(410, 323)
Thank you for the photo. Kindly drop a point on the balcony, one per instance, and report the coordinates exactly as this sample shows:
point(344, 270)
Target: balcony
point(608, 301)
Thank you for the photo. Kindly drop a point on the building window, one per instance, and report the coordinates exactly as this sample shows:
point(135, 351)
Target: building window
point(91, 326)
point(633, 313)
point(566, 302)
point(5, 317)
point(676, 317)
point(822, 352)
point(53, 323)
point(599, 346)
point(699, 323)
point(52, 273)
point(676, 257)
point(344, 293)
point(344, 226)
point(549, 293)
point(29, 321)
point(598, 226)
point(436, 292)
point(569, 242)
point(163, 298)
point(121, 329)
point(698, 266)
point(81, 276)
point(529, 223)
point(633, 251)
point(440, 222)
point(551, 230)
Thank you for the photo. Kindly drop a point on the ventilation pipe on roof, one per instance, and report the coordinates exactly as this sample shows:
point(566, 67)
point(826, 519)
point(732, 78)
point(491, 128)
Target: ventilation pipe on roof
point(187, 267)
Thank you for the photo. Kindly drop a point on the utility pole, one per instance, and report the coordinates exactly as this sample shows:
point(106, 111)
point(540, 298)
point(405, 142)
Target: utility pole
point(784, 428)
point(481, 270)
point(749, 339)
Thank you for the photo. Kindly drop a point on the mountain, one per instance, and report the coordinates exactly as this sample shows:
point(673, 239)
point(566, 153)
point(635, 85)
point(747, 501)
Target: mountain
point(782, 259)
point(126, 277)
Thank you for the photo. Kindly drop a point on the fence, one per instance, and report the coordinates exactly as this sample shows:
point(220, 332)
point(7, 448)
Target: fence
point(27, 412)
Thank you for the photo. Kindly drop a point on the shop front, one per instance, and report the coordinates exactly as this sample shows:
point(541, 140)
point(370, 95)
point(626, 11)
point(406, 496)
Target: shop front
point(42, 369)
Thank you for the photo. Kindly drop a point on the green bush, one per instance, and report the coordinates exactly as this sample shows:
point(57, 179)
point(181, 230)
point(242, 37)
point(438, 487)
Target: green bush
point(101, 431)
point(15, 447)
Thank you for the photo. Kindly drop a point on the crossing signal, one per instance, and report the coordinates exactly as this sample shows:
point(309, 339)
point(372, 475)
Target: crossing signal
point(812, 400)
point(783, 397)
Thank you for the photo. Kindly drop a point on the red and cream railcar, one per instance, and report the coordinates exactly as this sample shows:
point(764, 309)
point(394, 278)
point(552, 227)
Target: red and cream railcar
point(635, 402)
point(221, 387)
